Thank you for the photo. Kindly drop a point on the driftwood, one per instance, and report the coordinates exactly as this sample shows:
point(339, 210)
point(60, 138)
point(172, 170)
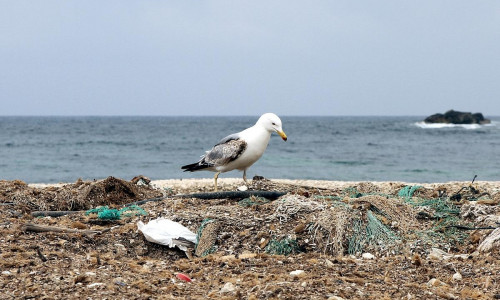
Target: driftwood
point(42, 228)
point(53, 213)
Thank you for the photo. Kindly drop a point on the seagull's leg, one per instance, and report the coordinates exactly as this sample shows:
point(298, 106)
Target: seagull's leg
point(245, 176)
point(215, 180)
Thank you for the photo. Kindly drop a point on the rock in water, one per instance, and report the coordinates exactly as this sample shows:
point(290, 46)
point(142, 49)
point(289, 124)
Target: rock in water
point(457, 117)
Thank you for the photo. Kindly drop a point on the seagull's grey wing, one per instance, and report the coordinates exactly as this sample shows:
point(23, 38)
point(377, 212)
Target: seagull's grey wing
point(227, 150)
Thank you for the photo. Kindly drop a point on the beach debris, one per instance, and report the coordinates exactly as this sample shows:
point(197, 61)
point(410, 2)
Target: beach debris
point(252, 201)
point(228, 288)
point(320, 239)
point(438, 254)
point(53, 213)
point(285, 246)
point(167, 232)
point(490, 242)
point(298, 273)
point(106, 213)
point(78, 196)
point(183, 277)
point(435, 282)
point(206, 237)
point(42, 228)
point(271, 195)
point(140, 180)
point(457, 277)
point(335, 298)
point(291, 205)
point(367, 256)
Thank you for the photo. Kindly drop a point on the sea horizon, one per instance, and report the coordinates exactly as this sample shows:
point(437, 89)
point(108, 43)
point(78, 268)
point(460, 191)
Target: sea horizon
point(49, 149)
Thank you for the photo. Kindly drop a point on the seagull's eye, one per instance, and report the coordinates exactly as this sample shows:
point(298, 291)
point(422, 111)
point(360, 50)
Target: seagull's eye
point(274, 123)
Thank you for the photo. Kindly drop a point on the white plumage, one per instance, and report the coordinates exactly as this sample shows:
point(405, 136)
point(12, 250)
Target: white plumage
point(240, 150)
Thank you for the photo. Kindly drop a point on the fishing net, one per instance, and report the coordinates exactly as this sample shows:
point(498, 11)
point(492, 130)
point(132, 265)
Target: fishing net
point(357, 222)
point(206, 237)
point(284, 246)
point(252, 201)
point(444, 213)
point(106, 213)
point(291, 205)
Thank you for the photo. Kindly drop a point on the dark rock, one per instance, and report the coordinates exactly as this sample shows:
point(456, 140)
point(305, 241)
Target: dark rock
point(457, 117)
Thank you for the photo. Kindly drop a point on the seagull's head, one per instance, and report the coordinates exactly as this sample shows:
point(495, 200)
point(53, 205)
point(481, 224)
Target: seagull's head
point(272, 123)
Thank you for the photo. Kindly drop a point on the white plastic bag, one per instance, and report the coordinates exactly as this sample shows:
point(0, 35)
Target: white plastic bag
point(167, 232)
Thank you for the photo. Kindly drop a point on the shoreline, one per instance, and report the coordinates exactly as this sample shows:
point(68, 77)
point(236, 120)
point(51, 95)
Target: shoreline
point(325, 184)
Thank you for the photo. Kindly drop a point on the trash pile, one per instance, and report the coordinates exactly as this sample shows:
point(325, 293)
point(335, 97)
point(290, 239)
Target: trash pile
point(114, 238)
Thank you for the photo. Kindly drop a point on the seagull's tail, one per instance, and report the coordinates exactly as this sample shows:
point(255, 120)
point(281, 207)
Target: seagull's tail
point(194, 167)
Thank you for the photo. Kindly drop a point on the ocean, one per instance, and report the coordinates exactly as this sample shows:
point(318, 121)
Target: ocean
point(63, 149)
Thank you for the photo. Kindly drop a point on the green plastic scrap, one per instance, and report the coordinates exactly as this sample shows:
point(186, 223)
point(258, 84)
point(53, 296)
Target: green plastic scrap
point(106, 213)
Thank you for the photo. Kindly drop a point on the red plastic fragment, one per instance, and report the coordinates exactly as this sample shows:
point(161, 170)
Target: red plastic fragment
point(183, 277)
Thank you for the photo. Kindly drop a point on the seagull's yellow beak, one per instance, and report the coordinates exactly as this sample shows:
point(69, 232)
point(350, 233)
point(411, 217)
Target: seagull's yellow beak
point(282, 134)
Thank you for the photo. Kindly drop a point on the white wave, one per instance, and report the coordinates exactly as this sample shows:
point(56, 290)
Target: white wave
point(446, 125)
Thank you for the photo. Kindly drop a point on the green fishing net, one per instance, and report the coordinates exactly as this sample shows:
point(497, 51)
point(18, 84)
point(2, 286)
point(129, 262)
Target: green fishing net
point(106, 213)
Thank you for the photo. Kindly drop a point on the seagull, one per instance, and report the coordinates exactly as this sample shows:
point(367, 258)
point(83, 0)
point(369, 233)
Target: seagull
point(239, 151)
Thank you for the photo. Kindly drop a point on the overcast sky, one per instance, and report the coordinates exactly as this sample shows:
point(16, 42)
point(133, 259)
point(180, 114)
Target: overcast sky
point(249, 57)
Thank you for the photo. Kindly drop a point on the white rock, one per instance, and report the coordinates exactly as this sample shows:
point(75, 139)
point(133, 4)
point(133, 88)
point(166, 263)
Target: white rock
point(304, 284)
point(90, 273)
point(335, 298)
point(6, 273)
point(95, 284)
point(435, 282)
point(457, 277)
point(243, 188)
point(368, 256)
point(227, 288)
point(432, 282)
point(298, 273)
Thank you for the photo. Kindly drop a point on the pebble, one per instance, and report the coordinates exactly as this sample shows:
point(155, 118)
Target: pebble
point(243, 188)
point(298, 273)
point(119, 281)
point(435, 282)
point(368, 256)
point(329, 263)
point(6, 273)
point(457, 277)
point(227, 288)
point(95, 284)
point(335, 298)
point(304, 284)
